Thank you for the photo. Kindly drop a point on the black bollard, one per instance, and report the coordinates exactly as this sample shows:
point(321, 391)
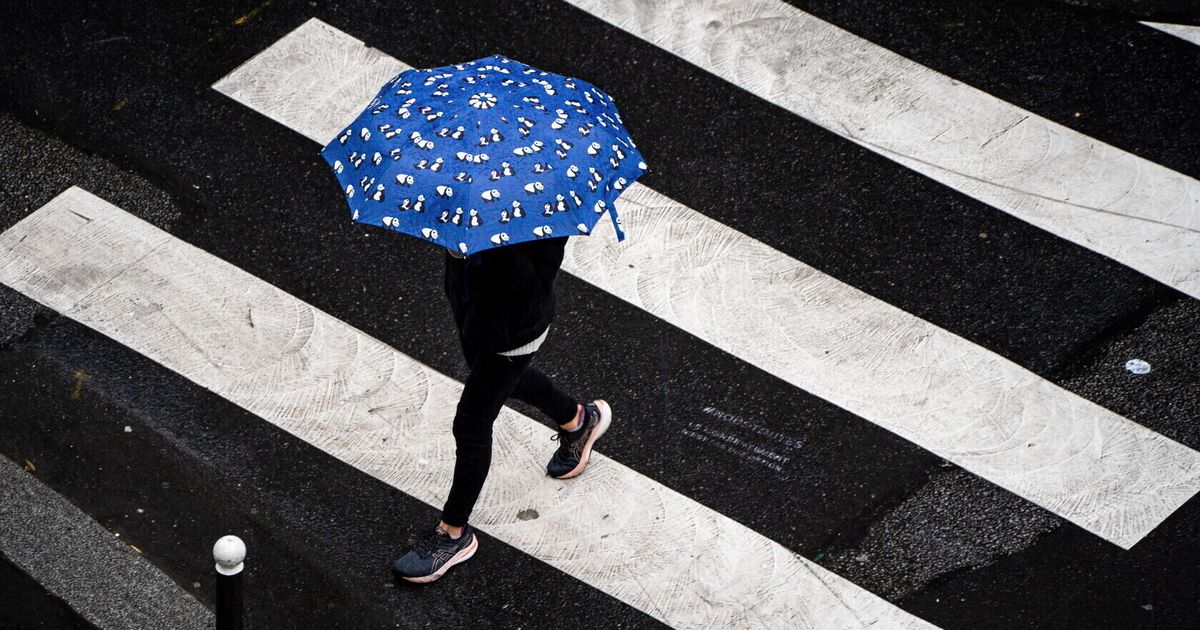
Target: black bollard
point(229, 553)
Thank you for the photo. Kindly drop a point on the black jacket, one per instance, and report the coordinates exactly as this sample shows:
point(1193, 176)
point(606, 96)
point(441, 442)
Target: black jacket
point(503, 297)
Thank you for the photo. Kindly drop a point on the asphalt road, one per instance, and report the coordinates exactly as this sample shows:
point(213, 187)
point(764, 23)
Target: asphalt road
point(118, 100)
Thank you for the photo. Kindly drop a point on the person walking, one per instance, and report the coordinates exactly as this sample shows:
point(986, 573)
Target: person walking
point(498, 163)
point(503, 304)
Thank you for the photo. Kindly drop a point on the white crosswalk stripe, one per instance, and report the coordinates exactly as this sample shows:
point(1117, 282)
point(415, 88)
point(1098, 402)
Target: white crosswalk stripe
point(384, 413)
point(1183, 31)
point(962, 402)
point(1137, 212)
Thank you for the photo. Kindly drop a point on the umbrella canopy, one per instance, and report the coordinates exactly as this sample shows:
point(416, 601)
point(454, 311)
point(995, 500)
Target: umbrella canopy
point(486, 153)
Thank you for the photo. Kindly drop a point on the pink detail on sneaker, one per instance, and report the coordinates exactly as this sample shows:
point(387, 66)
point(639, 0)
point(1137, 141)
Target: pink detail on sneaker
point(601, 427)
point(459, 557)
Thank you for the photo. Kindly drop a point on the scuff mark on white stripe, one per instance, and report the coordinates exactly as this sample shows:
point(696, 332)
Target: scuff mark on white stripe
point(388, 415)
point(962, 402)
point(1185, 32)
point(1139, 213)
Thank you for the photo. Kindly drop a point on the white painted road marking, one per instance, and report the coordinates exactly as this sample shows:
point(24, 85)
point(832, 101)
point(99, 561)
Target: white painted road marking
point(1182, 31)
point(1139, 213)
point(962, 402)
point(388, 415)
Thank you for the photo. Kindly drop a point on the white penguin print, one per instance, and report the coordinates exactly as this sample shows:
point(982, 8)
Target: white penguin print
point(559, 122)
point(475, 158)
point(420, 142)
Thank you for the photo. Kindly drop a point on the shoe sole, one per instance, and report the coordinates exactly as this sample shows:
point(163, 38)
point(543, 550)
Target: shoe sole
point(605, 420)
point(458, 558)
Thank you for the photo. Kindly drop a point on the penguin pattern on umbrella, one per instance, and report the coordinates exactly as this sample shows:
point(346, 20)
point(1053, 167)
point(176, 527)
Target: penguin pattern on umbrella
point(486, 153)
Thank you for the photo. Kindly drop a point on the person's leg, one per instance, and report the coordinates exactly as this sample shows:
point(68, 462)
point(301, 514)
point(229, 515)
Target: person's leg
point(536, 389)
point(491, 381)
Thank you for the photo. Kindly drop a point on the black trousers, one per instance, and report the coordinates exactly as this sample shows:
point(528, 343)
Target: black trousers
point(493, 379)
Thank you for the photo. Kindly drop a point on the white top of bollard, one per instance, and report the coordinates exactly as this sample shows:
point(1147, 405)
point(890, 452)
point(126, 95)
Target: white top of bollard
point(229, 553)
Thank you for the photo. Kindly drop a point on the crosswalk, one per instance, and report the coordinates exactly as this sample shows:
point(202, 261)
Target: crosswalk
point(1182, 31)
point(1137, 212)
point(383, 412)
point(378, 410)
point(964, 403)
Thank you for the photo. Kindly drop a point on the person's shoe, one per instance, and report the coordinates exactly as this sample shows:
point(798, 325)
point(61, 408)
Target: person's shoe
point(574, 446)
point(434, 555)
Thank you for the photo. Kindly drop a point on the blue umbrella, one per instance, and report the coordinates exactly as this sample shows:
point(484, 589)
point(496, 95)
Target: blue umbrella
point(486, 153)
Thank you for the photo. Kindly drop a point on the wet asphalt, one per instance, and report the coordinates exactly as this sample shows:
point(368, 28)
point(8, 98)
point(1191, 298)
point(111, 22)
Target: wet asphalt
point(117, 100)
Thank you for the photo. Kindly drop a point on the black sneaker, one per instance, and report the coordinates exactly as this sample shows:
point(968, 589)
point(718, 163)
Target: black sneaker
point(574, 446)
point(433, 556)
